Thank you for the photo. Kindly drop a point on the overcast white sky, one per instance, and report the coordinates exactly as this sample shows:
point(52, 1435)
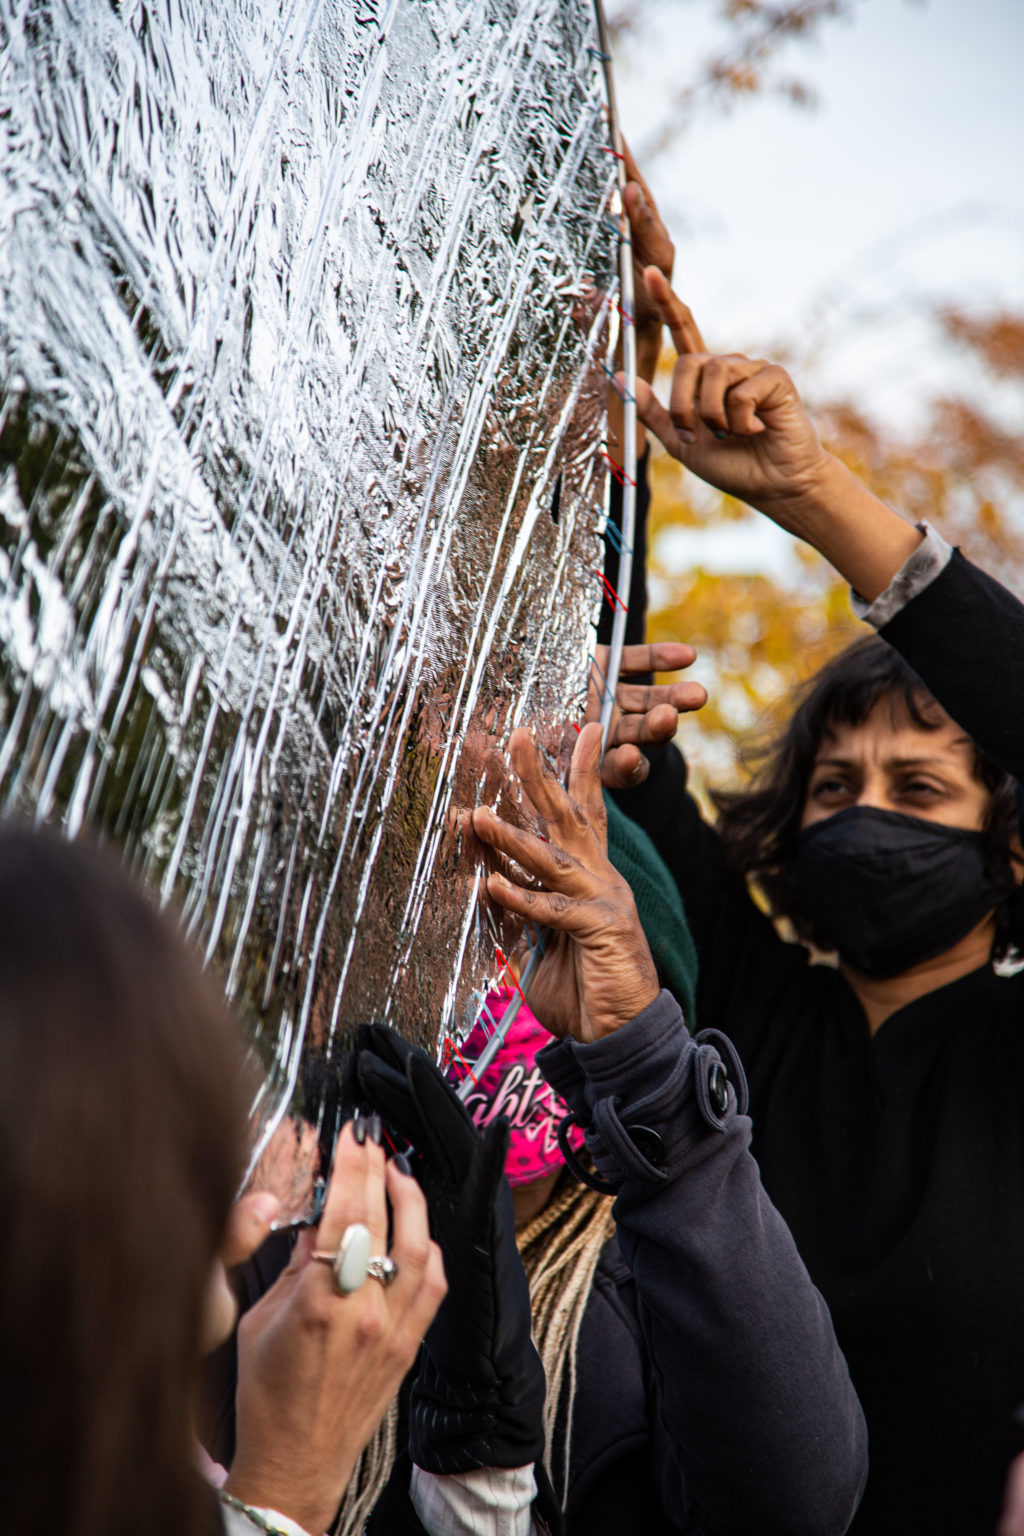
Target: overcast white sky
point(837, 226)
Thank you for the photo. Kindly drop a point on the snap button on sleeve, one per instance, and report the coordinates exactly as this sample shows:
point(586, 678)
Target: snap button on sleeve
point(718, 1088)
point(648, 1143)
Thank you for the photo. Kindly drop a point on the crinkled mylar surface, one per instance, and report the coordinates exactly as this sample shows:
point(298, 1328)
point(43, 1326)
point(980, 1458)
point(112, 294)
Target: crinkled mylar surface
point(300, 406)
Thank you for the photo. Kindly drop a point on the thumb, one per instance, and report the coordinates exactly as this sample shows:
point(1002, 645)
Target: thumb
point(656, 419)
point(248, 1226)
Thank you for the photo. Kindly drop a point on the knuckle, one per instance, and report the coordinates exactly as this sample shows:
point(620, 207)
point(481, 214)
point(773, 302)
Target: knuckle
point(435, 1286)
point(416, 1253)
point(319, 1311)
point(372, 1321)
point(580, 819)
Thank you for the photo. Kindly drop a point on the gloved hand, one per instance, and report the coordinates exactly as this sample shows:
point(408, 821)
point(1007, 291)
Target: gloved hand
point(479, 1397)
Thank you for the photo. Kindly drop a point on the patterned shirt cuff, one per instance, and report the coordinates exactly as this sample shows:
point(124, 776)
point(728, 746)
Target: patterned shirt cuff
point(918, 571)
point(245, 1520)
point(490, 1502)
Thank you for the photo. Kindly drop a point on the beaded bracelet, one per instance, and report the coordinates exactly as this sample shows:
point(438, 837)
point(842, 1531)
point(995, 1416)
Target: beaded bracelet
point(256, 1516)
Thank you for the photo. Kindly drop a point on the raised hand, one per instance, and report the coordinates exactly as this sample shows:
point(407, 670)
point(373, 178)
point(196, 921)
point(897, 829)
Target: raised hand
point(597, 972)
point(739, 424)
point(652, 247)
point(735, 421)
point(645, 714)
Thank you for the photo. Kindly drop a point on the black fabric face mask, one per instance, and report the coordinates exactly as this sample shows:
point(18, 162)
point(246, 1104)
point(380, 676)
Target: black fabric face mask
point(887, 890)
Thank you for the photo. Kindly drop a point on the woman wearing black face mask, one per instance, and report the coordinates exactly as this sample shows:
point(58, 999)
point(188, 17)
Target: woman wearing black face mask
point(887, 1089)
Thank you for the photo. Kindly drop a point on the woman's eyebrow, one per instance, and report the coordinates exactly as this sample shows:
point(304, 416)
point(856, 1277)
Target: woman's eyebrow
point(915, 761)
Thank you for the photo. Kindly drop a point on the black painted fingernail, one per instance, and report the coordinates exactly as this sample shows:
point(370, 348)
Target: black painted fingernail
point(359, 1131)
point(720, 435)
point(403, 1164)
point(375, 1130)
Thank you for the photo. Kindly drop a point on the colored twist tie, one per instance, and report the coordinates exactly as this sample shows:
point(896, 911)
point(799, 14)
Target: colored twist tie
point(610, 592)
point(613, 532)
point(536, 938)
point(511, 973)
point(619, 389)
point(614, 229)
point(604, 681)
point(617, 469)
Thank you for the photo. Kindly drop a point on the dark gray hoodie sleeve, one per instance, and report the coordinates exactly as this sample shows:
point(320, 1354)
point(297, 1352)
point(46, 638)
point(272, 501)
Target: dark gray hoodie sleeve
point(758, 1426)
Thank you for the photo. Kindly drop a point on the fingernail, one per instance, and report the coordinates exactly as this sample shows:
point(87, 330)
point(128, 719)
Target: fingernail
point(359, 1131)
point(720, 435)
point(375, 1130)
point(402, 1163)
point(684, 436)
point(640, 203)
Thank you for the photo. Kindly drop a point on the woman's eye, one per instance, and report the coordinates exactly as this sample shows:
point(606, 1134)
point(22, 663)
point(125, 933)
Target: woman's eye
point(826, 788)
point(921, 789)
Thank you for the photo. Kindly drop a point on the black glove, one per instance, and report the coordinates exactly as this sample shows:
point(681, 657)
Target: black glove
point(478, 1400)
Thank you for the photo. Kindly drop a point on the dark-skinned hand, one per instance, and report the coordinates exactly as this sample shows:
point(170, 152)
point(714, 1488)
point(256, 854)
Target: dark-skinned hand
point(652, 246)
point(597, 972)
point(735, 421)
point(645, 715)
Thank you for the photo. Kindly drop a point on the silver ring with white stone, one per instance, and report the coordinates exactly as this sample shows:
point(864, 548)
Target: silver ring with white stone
point(383, 1269)
point(350, 1263)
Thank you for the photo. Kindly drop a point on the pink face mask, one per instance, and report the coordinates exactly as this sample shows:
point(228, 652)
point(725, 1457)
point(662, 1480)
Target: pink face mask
point(513, 1086)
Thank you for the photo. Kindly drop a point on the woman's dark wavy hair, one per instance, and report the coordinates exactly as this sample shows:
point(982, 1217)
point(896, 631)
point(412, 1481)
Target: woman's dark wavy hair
point(760, 825)
point(121, 1138)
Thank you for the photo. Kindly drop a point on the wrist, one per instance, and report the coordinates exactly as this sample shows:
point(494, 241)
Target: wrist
point(254, 1489)
point(610, 1024)
point(810, 499)
point(866, 541)
point(257, 1518)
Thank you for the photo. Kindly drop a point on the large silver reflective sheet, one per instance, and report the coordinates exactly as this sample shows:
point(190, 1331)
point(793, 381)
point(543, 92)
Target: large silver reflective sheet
point(300, 488)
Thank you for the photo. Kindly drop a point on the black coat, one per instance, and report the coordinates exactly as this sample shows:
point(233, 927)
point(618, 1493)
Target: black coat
point(711, 1395)
point(898, 1160)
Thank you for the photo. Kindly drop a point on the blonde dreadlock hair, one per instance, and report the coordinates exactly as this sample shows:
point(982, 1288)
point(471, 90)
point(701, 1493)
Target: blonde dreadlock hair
point(369, 1477)
point(560, 1250)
